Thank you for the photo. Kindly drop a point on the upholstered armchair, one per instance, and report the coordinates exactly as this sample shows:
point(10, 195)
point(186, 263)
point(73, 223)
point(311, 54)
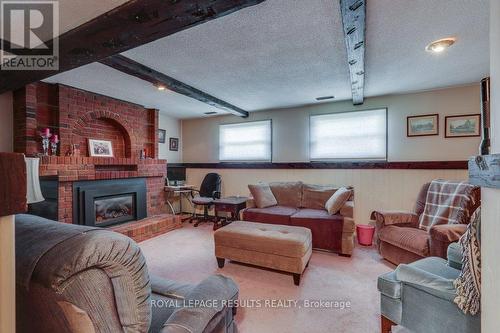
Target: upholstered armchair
point(79, 279)
point(420, 297)
point(399, 239)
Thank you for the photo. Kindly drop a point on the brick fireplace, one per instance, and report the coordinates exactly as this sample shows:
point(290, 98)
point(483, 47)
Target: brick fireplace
point(76, 116)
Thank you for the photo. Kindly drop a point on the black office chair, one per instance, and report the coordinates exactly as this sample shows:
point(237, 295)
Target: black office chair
point(210, 190)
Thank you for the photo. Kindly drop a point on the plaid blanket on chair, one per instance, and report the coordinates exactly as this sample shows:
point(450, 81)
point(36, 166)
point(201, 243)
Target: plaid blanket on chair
point(447, 202)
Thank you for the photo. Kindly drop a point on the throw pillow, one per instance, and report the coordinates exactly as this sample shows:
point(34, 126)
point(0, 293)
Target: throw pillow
point(316, 196)
point(262, 195)
point(337, 200)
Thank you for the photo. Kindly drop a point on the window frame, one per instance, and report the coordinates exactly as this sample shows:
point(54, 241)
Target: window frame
point(360, 159)
point(270, 160)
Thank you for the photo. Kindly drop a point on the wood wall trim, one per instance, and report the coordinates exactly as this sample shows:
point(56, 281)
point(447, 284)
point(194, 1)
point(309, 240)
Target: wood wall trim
point(418, 165)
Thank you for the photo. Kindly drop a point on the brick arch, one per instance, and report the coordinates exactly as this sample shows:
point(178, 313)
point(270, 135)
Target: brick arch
point(130, 139)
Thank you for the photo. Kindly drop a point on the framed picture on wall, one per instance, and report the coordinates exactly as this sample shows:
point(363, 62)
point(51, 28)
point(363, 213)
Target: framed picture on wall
point(174, 144)
point(463, 126)
point(100, 148)
point(162, 135)
point(424, 125)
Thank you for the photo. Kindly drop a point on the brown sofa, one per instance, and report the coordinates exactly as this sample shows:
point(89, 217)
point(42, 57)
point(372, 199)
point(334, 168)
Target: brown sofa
point(400, 241)
point(303, 205)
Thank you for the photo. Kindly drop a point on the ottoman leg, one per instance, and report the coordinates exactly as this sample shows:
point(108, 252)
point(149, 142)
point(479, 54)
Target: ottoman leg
point(296, 279)
point(220, 262)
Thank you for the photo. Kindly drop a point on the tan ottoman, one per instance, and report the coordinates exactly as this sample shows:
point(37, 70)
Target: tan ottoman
point(279, 247)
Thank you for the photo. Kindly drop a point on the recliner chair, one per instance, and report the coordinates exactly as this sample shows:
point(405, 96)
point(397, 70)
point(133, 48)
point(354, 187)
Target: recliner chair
point(419, 297)
point(210, 190)
point(77, 279)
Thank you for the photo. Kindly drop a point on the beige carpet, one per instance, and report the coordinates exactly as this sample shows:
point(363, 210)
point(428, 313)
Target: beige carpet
point(187, 254)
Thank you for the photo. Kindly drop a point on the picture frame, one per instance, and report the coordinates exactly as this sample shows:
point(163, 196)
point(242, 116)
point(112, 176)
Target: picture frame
point(162, 136)
point(174, 144)
point(422, 125)
point(100, 148)
point(463, 126)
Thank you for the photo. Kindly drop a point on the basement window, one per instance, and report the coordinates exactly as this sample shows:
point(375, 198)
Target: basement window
point(356, 135)
point(249, 141)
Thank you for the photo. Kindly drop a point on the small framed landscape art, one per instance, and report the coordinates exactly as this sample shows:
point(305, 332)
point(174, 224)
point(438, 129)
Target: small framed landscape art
point(100, 148)
point(424, 125)
point(174, 144)
point(463, 126)
point(162, 135)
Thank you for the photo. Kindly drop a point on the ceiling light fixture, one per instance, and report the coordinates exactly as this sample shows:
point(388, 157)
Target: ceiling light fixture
point(161, 87)
point(324, 98)
point(440, 45)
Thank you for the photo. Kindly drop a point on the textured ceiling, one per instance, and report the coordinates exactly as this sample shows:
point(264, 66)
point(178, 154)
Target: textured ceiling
point(285, 53)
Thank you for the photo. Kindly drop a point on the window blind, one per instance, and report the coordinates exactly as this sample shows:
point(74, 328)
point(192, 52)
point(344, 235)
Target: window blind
point(349, 135)
point(250, 141)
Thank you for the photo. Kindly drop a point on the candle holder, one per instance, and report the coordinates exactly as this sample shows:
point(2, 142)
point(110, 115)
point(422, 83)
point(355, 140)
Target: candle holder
point(53, 146)
point(45, 143)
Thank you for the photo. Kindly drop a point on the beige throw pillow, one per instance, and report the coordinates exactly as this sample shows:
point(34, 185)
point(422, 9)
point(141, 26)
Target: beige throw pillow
point(262, 195)
point(337, 200)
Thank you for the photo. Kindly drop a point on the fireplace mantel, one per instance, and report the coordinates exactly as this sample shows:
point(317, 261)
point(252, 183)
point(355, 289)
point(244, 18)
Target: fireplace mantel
point(70, 169)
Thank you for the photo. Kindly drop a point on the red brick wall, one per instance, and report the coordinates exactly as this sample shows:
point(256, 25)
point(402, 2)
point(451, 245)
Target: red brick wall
point(78, 115)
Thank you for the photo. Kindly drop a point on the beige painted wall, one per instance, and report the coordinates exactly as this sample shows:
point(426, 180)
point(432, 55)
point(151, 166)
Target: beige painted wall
point(374, 189)
point(6, 122)
point(291, 127)
point(174, 130)
point(490, 246)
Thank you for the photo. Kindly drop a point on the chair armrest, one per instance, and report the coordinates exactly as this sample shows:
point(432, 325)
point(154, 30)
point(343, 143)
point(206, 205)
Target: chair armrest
point(385, 218)
point(441, 236)
point(206, 306)
point(169, 288)
point(455, 256)
point(433, 284)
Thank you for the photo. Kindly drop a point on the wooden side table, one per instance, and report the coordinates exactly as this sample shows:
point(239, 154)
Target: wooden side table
point(232, 205)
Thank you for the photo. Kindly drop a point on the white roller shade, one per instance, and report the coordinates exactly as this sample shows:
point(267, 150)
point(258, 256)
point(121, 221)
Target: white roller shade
point(249, 141)
point(349, 135)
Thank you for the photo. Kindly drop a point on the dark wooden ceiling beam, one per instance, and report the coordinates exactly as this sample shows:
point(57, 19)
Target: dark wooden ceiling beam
point(132, 67)
point(354, 22)
point(132, 24)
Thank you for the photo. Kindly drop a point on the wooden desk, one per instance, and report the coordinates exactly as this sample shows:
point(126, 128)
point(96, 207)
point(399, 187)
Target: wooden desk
point(232, 205)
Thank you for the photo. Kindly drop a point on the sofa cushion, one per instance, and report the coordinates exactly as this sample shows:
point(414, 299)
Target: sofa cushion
point(316, 196)
point(262, 195)
point(272, 215)
point(410, 239)
point(337, 200)
point(287, 193)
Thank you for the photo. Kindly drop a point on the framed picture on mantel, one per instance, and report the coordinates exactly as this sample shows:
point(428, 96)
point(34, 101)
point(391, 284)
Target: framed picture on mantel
point(100, 148)
point(424, 125)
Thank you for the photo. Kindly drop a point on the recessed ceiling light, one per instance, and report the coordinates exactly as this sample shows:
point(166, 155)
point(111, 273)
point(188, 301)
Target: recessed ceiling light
point(161, 87)
point(210, 112)
point(324, 98)
point(440, 45)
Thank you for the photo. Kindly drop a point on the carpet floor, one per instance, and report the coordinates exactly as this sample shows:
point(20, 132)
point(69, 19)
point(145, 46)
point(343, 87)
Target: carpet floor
point(187, 254)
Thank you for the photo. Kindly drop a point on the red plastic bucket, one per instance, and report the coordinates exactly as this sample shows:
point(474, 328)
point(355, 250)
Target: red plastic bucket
point(365, 234)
